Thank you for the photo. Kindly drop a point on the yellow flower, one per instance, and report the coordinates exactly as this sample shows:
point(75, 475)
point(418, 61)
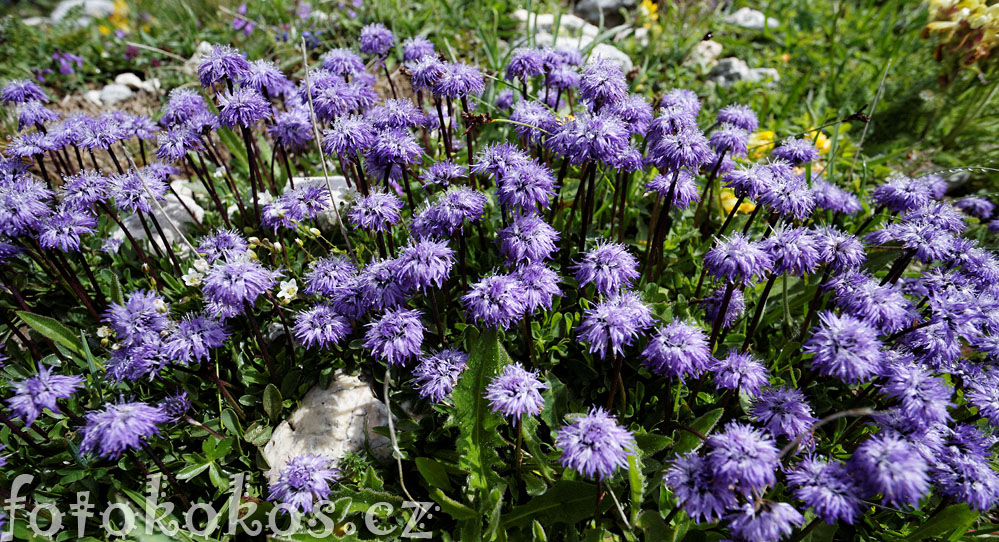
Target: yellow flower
point(823, 143)
point(650, 9)
point(105, 30)
point(761, 143)
point(728, 200)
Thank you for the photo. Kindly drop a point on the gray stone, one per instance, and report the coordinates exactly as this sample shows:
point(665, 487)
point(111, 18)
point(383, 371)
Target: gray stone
point(93, 96)
point(568, 24)
point(174, 211)
point(601, 50)
point(89, 9)
point(751, 19)
point(330, 422)
point(615, 55)
point(610, 10)
point(731, 69)
point(704, 55)
point(114, 93)
point(191, 66)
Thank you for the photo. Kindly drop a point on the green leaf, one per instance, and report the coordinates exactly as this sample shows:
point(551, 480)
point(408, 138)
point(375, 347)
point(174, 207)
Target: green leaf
point(538, 532)
point(433, 472)
point(116, 292)
point(636, 485)
point(687, 441)
point(272, 401)
point(954, 519)
point(452, 507)
point(191, 471)
point(568, 501)
point(53, 329)
point(477, 423)
point(258, 433)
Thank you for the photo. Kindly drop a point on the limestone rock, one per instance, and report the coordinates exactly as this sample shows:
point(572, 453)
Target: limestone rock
point(601, 50)
point(751, 19)
point(330, 422)
point(114, 93)
point(93, 96)
point(191, 66)
point(732, 69)
point(89, 9)
point(704, 55)
point(174, 211)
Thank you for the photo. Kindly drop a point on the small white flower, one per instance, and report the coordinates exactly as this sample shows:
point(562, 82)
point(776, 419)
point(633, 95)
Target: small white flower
point(104, 332)
point(202, 266)
point(192, 277)
point(160, 305)
point(219, 173)
point(277, 246)
point(315, 231)
point(288, 291)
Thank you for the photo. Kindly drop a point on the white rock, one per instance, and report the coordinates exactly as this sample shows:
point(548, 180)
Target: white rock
point(732, 69)
point(328, 423)
point(90, 9)
point(174, 212)
point(114, 93)
point(35, 21)
point(600, 50)
point(129, 80)
point(751, 19)
point(191, 66)
point(704, 55)
point(568, 24)
point(93, 96)
point(615, 55)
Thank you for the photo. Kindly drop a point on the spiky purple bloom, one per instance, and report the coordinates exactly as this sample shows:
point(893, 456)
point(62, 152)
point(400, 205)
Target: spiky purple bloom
point(416, 47)
point(591, 137)
point(223, 64)
point(682, 98)
point(496, 301)
point(516, 392)
point(194, 338)
point(677, 350)
point(739, 260)
point(143, 317)
point(789, 196)
point(447, 217)
point(499, 159)
point(342, 62)
point(242, 107)
point(292, 129)
point(505, 100)
point(766, 521)
point(299, 204)
point(130, 192)
point(222, 244)
point(459, 80)
point(176, 142)
point(683, 193)
point(390, 150)
point(35, 393)
point(29, 145)
point(376, 212)
point(425, 72)
point(783, 412)
point(527, 188)
point(24, 205)
point(740, 371)
point(376, 39)
point(743, 457)
point(838, 250)
point(381, 284)
point(444, 173)
point(635, 111)
point(64, 229)
point(535, 121)
point(602, 82)
point(238, 283)
point(182, 105)
point(402, 113)
point(437, 375)
point(560, 77)
point(900, 193)
point(845, 347)
point(884, 307)
point(614, 323)
point(525, 62)
point(796, 151)
point(888, 464)
point(348, 135)
point(328, 276)
point(609, 266)
point(33, 113)
point(739, 115)
point(304, 481)
point(793, 250)
point(267, 79)
point(118, 427)
point(320, 326)
point(923, 398)
point(729, 139)
point(540, 285)
point(22, 90)
point(833, 198)
point(527, 239)
point(977, 207)
point(595, 445)
point(396, 337)
point(828, 488)
point(425, 263)
point(736, 306)
point(697, 490)
point(175, 406)
point(687, 148)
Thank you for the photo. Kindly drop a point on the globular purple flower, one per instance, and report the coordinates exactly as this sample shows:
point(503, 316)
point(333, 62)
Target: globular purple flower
point(425, 263)
point(376, 39)
point(767, 521)
point(437, 375)
point(793, 250)
point(614, 323)
point(884, 307)
point(130, 192)
point(447, 217)
point(845, 347)
point(609, 266)
point(602, 82)
point(595, 445)
point(789, 196)
point(729, 139)
point(426, 72)
point(670, 121)
point(304, 481)
point(390, 150)
point(739, 115)
point(328, 276)
point(34, 113)
point(22, 90)
point(900, 193)
point(320, 327)
point(183, 104)
point(678, 195)
point(116, 428)
point(458, 80)
point(176, 142)
point(739, 260)
point(291, 129)
point(635, 111)
point(222, 244)
point(175, 406)
point(444, 173)
point(381, 284)
point(940, 215)
point(376, 212)
point(194, 338)
point(687, 148)
point(838, 250)
point(561, 77)
point(24, 205)
point(416, 47)
point(682, 98)
point(534, 121)
point(64, 229)
point(888, 464)
point(496, 301)
point(238, 283)
point(678, 349)
point(743, 457)
point(740, 371)
point(505, 100)
point(497, 160)
point(749, 181)
point(783, 412)
point(697, 490)
point(528, 188)
point(296, 205)
point(142, 318)
point(516, 392)
point(828, 488)
point(348, 135)
point(796, 151)
point(342, 62)
point(402, 113)
point(242, 107)
point(923, 398)
point(267, 79)
point(525, 62)
point(223, 64)
point(35, 393)
point(29, 145)
point(396, 337)
point(134, 362)
point(528, 239)
point(736, 306)
point(833, 198)
point(540, 286)
point(980, 208)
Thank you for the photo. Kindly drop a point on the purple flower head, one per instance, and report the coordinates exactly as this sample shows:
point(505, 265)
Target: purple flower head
point(458, 80)
point(64, 229)
point(416, 47)
point(739, 115)
point(182, 105)
point(175, 406)
point(497, 160)
point(402, 113)
point(740, 371)
point(176, 142)
point(845, 347)
point(29, 145)
point(505, 99)
point(347, 136)
point(789, 196)
point(535, 121)
point(796, 151)
point(36, 393)
point(377, 212)
point(342, 62)
point(793, 250)
point(783, 412)
point(320, 327)
point(130, 192)
point(635, 111)
point(738, 260)
point(119, 427)
point(609, 266)
point(444, 173)
point(393, 148)
point(524, 63)
point(496, 301)
point(425, 73)
point(425, 263)
point(222, 244)
point(730, 139)
point(679, 193)
point(682, 98)
point(142, 318)
point(900, 193)
point(396, 337)
point(104, 131)
point(687, 148)
point(561, 77)
point(381, 284)
point(602, 83)
point(328, 276)
point(437, 375)
point(736, 307)
point(939, 215)
point(24, 205)
point(614, 323)
point(296, 205)
point(924, 399)
point(34, 113)
point(238, 282)
point(595, 445)
point(888, 464)
point(833, 198)
point(194, 338)
point(267, 79)
point(540, 285)
point(239, 22)
point(678, 349)
point(304, 481)
point(516, 392)
point(838, 250)
point(768, 521)
point(697, 490)
point(980, 208)
point(670, 121)
point(528, 239)
point(291, 129)
point(527, 188)
point(883, 307)
point(22, 90)
point(223, 64)
point(743, 457)
point(828, 488)
point(376, 39)
point(243, 107)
